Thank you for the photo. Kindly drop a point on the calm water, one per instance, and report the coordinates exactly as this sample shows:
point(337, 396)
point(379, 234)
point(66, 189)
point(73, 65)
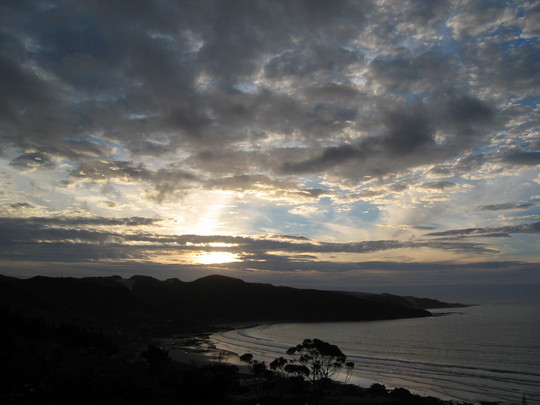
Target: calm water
point(489, 352)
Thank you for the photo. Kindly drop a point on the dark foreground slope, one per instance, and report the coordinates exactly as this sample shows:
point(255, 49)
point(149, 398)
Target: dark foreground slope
point(62, 364)
point(212, 299)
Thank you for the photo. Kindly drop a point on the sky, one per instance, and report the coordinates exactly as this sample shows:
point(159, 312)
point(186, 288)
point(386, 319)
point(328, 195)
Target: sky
point(346, 145)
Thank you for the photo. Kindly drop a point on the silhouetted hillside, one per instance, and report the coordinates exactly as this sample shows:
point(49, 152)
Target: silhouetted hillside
point(144, 300)
point(407, 301)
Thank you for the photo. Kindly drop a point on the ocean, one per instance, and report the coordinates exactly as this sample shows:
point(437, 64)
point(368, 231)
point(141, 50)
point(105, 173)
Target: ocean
point(479, 353)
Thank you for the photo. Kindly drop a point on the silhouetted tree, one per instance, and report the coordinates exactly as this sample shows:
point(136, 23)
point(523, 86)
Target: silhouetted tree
point(258, 368)
point(377, 389)
point(246, 358)
point(316, 360)
point(155, 355)
point(349, 366)
point(299, 370)
point(278, 364)
point(220, 357)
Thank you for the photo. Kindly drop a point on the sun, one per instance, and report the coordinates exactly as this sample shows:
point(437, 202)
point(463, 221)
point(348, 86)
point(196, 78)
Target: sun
point(215, 257)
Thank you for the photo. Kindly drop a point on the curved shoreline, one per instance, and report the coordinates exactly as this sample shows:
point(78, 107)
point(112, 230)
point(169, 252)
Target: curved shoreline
point(212, 351)
point(199, 350)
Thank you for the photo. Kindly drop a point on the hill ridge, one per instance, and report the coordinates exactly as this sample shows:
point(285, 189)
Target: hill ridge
point(145, 300)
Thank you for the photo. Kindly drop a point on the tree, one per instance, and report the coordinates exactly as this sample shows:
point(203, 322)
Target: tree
point(155, 355)
point(258, 368)
point(316, 360)
point(278, 364)
point(349, 366)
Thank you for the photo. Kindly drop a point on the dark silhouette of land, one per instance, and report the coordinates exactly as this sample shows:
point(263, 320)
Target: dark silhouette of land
point(143, 300)
point(89, 340)
point(408, 301)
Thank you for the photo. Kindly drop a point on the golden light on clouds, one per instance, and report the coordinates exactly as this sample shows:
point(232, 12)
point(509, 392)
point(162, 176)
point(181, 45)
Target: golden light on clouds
point(215, 257)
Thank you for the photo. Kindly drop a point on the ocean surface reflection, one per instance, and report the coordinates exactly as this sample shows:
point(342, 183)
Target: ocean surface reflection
point(480, 353)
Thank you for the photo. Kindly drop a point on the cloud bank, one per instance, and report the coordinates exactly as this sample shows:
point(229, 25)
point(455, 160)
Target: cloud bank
point(379, 131)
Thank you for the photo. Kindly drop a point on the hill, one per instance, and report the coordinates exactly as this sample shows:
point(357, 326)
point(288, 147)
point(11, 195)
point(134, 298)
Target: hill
point(408, 301)
point(148, 302)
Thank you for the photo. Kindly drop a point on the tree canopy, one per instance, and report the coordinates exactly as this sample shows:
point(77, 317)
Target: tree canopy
point(319, 359)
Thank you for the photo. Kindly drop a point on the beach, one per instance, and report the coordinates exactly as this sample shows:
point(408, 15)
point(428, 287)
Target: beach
point(475, 354)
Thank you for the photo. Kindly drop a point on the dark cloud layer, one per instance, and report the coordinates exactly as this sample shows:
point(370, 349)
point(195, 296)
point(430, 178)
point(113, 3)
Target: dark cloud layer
point(67, 235)
point(506, 206)
point(532, 228)
point(522, 158)
point(135, 66)
point(407, 139)
point(71, 222)
point(71, 241)
point(158, 78)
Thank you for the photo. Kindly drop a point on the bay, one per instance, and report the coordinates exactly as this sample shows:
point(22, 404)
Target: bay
point(479, 353)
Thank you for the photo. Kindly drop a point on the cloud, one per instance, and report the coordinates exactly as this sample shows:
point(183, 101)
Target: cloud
point(480, 16)
point(520, 218)
point(87, 221)
point(337, 120)
point(506, 206)
point(438, 185)
point(108, 64)
point(191, 114)
point(67, 229)
point(32, 161)
point(407, 132)
point(522, 158)
point(130, 238)
point(532, 26)
point(397, 270)
point(532, 228)
point(107, 170)
point(163, 183)
point(21, 205)
point(413, 72)
point(223, 94)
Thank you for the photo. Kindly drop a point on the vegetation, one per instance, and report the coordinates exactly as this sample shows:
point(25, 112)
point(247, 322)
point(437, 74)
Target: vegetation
point(88, 341)
point(155, 355)
point(313, 360)
point(319, 360)
point(43, 362)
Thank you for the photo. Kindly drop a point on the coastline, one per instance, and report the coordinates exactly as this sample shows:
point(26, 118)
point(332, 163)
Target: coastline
point(198, 349)
point(195, 348)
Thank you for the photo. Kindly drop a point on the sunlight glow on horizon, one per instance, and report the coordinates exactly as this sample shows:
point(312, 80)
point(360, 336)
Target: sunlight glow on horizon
point(215, 257)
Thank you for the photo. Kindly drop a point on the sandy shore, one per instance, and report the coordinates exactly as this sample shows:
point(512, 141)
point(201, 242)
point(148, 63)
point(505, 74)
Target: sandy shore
point(197, 349)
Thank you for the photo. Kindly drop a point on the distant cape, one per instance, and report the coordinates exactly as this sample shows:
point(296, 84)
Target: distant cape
point(142, 300)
